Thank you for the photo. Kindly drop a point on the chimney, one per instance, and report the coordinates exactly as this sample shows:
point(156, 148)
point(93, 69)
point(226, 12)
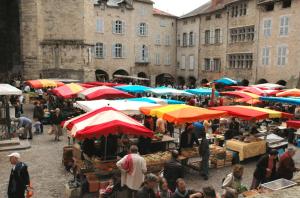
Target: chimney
point(214, 3)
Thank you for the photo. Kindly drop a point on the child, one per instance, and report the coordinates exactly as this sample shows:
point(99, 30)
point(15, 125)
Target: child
point(37, 127)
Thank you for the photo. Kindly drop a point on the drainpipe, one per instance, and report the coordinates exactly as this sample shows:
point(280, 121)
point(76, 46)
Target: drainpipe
point(257, 44)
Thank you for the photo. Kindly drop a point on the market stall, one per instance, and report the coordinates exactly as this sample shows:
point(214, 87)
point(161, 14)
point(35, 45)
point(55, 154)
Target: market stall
point(156, 100)
point(103, 92)
point(292, 101)
point(168, 91)
point(67, 91)
point(243, 96)
point(133, 88)
point(43, 83)
point(202, 91)
point(226, 81)
point(289, 93)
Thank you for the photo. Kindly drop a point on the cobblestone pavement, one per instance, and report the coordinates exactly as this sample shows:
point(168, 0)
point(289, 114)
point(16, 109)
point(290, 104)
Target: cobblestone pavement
point(49, 177)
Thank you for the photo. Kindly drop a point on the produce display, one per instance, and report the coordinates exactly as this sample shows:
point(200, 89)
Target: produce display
point(219, 157)
point(190, 152)
point(157, 158)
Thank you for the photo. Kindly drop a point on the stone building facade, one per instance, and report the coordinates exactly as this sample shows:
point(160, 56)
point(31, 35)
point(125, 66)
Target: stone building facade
point(233, 40)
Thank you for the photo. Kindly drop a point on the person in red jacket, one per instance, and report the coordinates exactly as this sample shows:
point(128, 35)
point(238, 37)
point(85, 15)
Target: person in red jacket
point(287, 167)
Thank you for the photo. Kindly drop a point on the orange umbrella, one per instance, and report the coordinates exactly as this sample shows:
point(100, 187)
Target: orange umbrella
point(180, 114)
point(43, 83)
point(289, 92)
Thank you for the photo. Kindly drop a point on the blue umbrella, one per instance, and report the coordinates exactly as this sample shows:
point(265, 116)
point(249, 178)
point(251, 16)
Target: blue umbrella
point(294, 101)
point(226, 81)
point(202, 91)
point(155, 100)
point(133, 88)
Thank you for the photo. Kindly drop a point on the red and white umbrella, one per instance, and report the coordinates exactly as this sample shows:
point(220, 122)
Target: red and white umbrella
point(103, 122)
point(103, 92)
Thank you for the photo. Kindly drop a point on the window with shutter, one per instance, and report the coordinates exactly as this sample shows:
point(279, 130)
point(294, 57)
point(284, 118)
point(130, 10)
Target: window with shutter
point(99, 25)
point(207, 37)
point(182, 65)
point(284, 26)
point(184, 40)
point(192, 62)
point(191, 39)
point(123, 51)
point(157, 42)
point(99, 50)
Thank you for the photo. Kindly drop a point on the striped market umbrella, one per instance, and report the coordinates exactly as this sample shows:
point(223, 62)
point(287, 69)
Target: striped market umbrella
point(43, 83)
point(180, 114)
point(103, 92)
point(68, 91)
point(289, 93)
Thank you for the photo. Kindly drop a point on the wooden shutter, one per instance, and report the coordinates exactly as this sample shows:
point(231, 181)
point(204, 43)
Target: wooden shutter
point(124, 53)
point(123, 27)
point(113, 51)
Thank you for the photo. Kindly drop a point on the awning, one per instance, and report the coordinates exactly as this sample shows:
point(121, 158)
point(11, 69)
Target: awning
point(68, 91)
point(103, 122)
point(43, 83)
point(226, 81)
point(294, 101)
point(127, 107)
point(268, 86)
point(156, 100)
point(133, 88)
point(103, 92)
point(169, 91)
point(7, 89)
point(246, 97)
point(289, 93)
point(252, 113)
point(293, 124)
point(108, 84)
point(202, 91)
point(180, 114)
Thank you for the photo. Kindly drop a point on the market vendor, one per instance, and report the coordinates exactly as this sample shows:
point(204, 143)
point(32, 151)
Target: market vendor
point(234, 127)
point(287, 167)
point(109, 146)
point(188, 137)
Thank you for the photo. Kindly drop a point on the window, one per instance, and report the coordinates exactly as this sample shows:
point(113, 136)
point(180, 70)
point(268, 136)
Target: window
point(142, 11)
point(216, 65)
point(284, 26)
point(269, 7)
point(162, 23)
point(118, 27)
point(193, 20)
point(99, 50)
point(242, 34)
point(99, 25)
point(185, 22)
point(286, 3)
point(239, 10)
point(240, 61)
point(282, 55)
point(267, 27)
point(265, 55)
point(192, 62)
point(207, 64)
point(118, 51)
point(168, 60)
point(182, 65)
point(217, 36)
point(184, 40)
point(167, 40)
point(157, 40)
point(207, 18)
point(157, 59)
point(191, 39)
point(142, 29)
point(207, 37)
point(144, 53)
point(178, 39)
point(218, 16)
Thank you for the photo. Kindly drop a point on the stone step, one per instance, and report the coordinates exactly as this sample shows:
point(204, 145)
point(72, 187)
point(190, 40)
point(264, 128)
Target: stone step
point(23, 144)
point(11, 142)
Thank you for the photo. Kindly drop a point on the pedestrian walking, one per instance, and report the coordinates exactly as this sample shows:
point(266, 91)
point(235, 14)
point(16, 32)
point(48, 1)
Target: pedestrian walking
point(38, 114)
point(204, 154)
point(133, 167)
point(19, 178)
point(56, 119)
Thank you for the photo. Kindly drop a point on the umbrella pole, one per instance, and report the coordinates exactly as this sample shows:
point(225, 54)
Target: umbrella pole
point(105, 148)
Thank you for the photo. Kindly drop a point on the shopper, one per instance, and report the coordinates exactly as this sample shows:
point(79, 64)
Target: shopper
point(26, 123)
point(173, 170)
point(188, 138)
point(265, 169)
point(164, 191)
point(19, 177)
point(204, 154)
point(133, 167)
point(233, 181)
point(147, 190)
point(287, 167)
point(38, 114)
point(182, 192)
point(56, 119)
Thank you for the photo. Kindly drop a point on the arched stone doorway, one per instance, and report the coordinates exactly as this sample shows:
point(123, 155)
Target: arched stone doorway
point(121, 72)
point(262, 81)
point(164, 79)
point(101, 75)
point(180, 81)
point(281, 82)
point(142, 75)
point(244, 82)
point(143, 82)
point(204, 82)
point(192, 82)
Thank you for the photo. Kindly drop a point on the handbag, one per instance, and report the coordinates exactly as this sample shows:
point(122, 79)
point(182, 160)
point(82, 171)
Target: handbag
point(29, 191)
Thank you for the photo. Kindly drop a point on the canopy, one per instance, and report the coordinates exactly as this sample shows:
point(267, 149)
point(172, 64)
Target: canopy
point(226, 81)
point(133, 88)
point(289, 92)
point(68, 91)
point(245, 96)
point(103, 122)
point(268, 86)
point(255, 90)
point(103, 92)
point(180, 114)
point(156, 100)
point(169, 91)
point(201, 91)
point(7, 89)
point(252, 113)
point(43, 83)
point(294, 101)
point(127, 107)
point(293, 124)
point(108, 84)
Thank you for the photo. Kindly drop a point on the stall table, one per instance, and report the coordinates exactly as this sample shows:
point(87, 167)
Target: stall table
point(247, 150)
point(161, 144)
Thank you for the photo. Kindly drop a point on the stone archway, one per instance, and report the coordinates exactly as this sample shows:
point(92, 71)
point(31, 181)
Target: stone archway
point(164, 79)
point(192, 82)
point(180, 81)
point(262, 81)
point(244, 82)
point(142, 75)
point(281, 82)
point(121, 72)
point(101, 75)
point(204, 81)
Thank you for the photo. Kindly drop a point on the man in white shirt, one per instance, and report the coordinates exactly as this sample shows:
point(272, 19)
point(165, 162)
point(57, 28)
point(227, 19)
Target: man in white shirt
point(133, 169)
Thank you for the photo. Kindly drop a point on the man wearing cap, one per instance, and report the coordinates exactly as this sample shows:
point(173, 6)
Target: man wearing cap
point(19, 177)
point(287, 167)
